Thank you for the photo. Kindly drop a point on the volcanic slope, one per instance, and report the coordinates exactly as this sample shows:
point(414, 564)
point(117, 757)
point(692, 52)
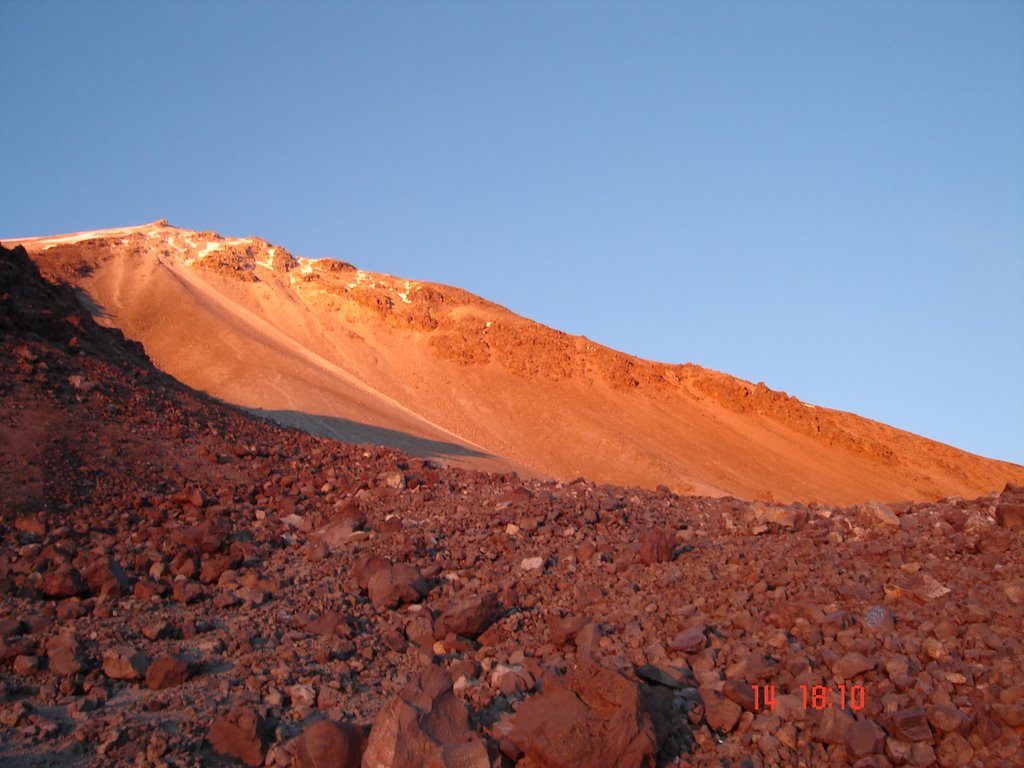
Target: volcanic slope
point(183, 585)
point(437, 371)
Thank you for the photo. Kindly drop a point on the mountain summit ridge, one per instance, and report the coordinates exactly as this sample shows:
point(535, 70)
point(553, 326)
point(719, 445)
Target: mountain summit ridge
point(434, 369)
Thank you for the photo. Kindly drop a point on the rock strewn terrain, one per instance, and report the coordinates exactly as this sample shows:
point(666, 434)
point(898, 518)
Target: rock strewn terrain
point(181, 585)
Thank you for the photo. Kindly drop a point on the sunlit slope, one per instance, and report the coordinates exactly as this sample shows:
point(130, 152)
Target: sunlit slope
point(436, 370)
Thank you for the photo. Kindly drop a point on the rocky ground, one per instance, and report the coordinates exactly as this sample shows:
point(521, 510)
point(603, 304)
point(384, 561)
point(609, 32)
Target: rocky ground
point(183, 585)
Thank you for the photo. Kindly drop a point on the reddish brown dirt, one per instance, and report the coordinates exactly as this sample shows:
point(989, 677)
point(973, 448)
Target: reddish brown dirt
point(180, 582)
point(439, 372)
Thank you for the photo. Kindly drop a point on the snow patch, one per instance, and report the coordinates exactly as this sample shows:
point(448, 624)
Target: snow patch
point(404, 295)
point(269, 263)
point(208, 249)
point(152, 230)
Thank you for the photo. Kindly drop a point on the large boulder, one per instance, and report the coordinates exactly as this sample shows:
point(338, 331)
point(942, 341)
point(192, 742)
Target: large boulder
point(425, 726)
point(469, 617)
point(397, 584)
point(124, 662)
point(329, 744)
point(593, 716)
point(241, 734)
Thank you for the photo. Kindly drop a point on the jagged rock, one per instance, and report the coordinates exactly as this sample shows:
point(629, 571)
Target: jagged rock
point(168, 670)
point(107, 578)
point(62, 582)
point(11, 628)
point(594, 716)
point(881, 514)
point(25, 665)
point(1010, 514)
point(367, 566)
point(64, 655)
point(397, 584)
point(468, 617)
point(242, 734)
point(658, 676)
point(721, 713)
point(691, 640)
point(863, 738)
point(425, 725)
point(910, 725)
point(564, 630)
point(658, 546)
point(852, 664)
point(124, 662)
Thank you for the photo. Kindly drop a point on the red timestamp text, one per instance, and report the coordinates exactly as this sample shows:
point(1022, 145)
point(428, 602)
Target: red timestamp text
point(815, 697)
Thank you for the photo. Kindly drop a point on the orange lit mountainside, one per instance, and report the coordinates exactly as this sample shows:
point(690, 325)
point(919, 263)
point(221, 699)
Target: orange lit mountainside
point(435, 370)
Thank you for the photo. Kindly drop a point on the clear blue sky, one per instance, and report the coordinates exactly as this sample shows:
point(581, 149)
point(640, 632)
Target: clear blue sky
point(828, 197)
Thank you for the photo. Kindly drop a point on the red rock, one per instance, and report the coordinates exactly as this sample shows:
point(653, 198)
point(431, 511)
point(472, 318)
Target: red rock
point(564, 630)
point(338, 534)
point(741, 692)
point(1011, 714)
point(720, 713)
point(954, 751)
point(946, 718)
point(62, 582)
point(922, 755)
point(397, 584)
point(853, 664)
point(394, 480)
point(123, 662)
point(326, 625)
point(368, 565)
point(424, 725)
point(881, 514)
point(879, 619)
point(32, 525)
point(26, 665)
point(789, 517)
point(691, 640)
point(594, 716)
point(863, 738)
point(186, 591)
point(63, 656)
point(910, 725)
point(469, 617)
point(168, 670)
point(658, 676)
point(329, 744)
point(11, 628)
point(657, 546)
point(1010, 514)
point(208, 538)
point(212, 567)
point(106, 578)
point(588, 642)
point(241, 734)
point(832, 725)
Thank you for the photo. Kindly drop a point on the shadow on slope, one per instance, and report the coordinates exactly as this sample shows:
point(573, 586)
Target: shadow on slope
point(350, 431)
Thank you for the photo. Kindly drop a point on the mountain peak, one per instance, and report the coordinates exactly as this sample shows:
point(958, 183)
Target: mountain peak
point(367, 357)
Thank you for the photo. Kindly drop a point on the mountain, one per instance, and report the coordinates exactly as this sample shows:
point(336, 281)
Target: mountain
point(439, 372)
point(184, 584)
